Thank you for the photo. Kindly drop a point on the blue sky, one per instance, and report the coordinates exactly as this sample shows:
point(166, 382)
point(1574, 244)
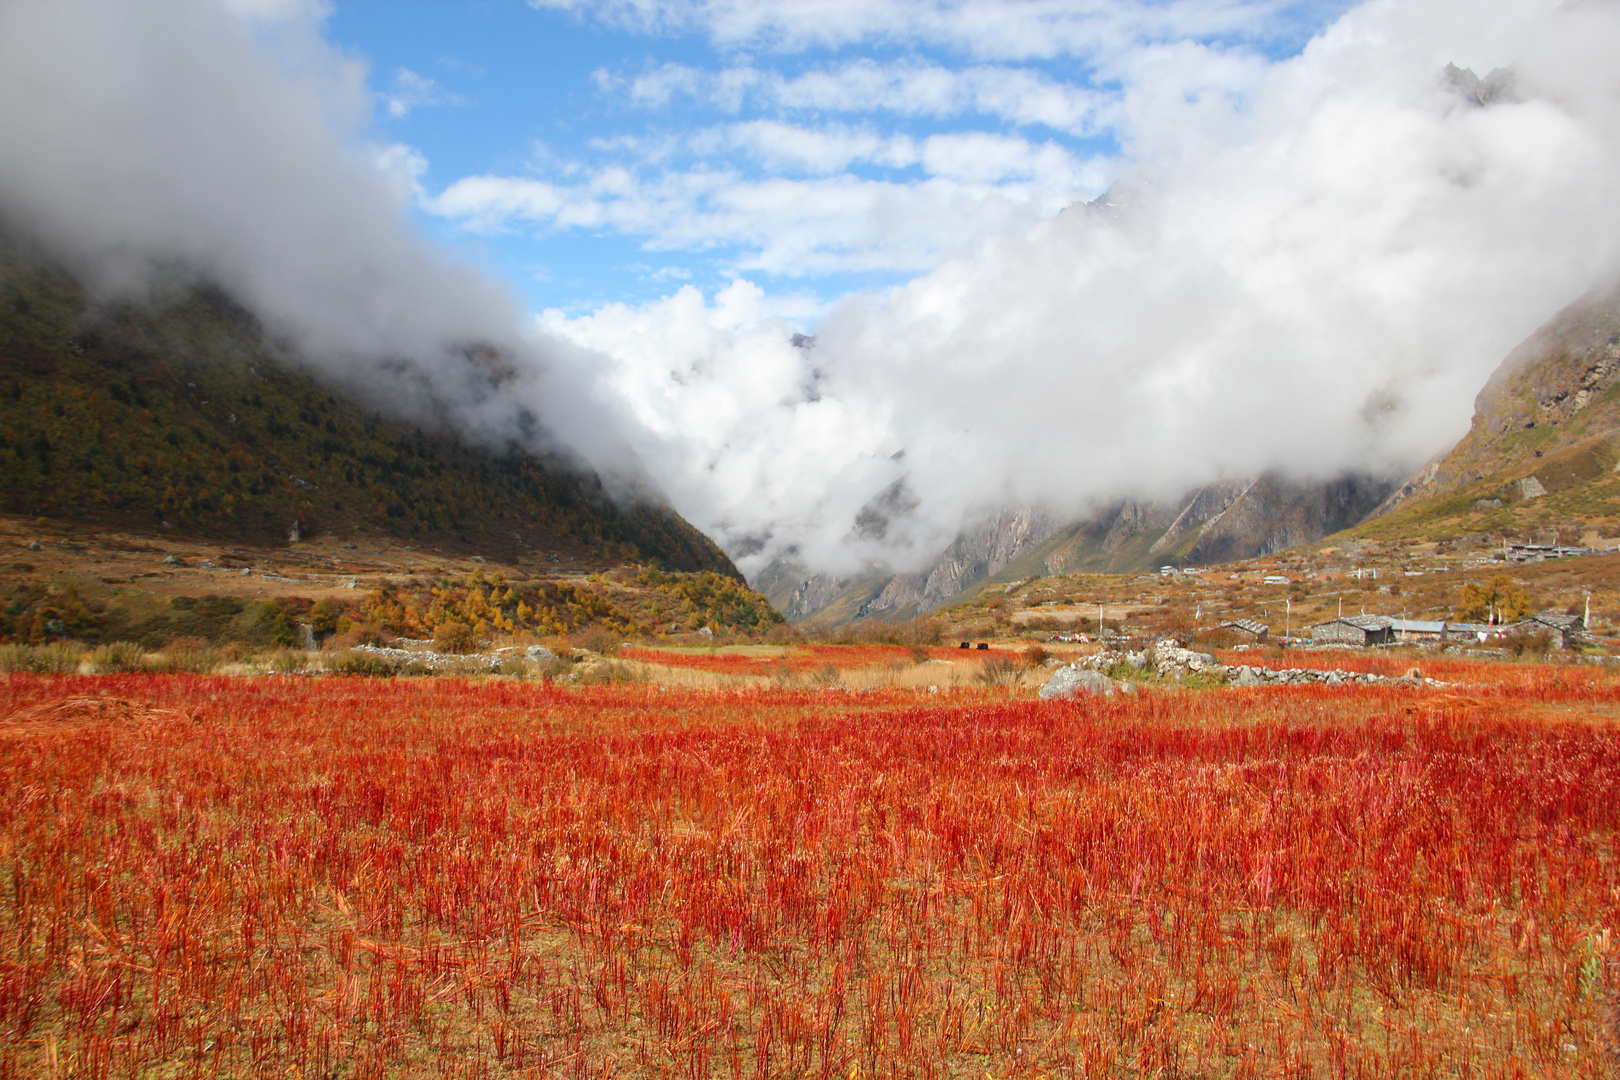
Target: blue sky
point(590, 154)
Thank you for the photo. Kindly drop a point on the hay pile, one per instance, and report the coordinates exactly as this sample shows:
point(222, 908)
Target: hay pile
point(71, 714)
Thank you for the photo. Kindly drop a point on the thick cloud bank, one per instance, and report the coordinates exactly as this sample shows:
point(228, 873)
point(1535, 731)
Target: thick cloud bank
point(1311, 265)
point(141, 140)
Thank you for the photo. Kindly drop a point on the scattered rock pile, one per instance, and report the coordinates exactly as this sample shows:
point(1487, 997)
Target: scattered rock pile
point(1259, 676)
point(463, 662)
point(432, 660)
point(1164, 658)
point(1168, 661)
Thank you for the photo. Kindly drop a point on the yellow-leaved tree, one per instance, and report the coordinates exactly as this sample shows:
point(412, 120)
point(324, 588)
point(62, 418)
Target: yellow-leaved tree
point(1502, 599)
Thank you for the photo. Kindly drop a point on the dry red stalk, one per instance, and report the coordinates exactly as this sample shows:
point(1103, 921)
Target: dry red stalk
point(447, 878)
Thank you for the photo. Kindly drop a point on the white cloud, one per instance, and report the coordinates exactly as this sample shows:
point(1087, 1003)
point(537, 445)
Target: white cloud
point(985, 28)
point(904, 88)
point(829, 221)
point(700, 381)
point(978, 157)
point(403, 166)
point(409, 91)
point(792, 148)
point(1290, 244)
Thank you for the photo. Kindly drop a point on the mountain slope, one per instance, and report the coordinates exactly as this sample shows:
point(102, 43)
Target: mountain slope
point(1542, 451)
point(181, 417)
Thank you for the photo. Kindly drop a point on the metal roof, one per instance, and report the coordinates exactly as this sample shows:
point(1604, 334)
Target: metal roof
point(1361, 622)
point(1419, 626)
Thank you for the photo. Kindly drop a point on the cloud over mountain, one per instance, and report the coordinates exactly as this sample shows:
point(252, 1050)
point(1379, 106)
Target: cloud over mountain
point(182, 137)
point(1309, 264)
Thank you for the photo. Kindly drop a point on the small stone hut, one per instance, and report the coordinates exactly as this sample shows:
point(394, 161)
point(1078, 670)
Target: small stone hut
point(1566, 629)
point(1252, 629)
point(1354, 630)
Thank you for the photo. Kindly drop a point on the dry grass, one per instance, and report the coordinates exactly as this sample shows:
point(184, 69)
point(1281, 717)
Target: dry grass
point(898, 674)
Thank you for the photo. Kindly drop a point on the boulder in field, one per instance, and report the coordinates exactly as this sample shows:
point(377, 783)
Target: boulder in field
point(1072, 681)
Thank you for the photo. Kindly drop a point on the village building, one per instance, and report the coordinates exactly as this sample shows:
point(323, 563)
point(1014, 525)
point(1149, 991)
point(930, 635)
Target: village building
point(1253, 629)
point(1354, 630)
point(1418, 630)
point(1525, 553)
point(1566, 629)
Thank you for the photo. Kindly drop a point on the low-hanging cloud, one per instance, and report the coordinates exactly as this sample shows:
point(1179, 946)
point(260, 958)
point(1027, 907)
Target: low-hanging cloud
point(1309, 265)
point(225, 142)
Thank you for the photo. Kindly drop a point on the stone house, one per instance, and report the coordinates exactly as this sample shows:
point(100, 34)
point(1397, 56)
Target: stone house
point(1354, 630)
point(1251, 629)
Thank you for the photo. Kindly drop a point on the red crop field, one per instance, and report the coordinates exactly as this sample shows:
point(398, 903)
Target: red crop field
point(347, 877)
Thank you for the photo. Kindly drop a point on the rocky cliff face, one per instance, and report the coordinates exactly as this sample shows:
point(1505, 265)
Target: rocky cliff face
point(1214, 523)
point(1273, 514)
point(976, 554)
point(1205, 505)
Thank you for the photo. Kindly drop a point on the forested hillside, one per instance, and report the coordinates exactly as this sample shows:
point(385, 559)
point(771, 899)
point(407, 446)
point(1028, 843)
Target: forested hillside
point(181, 417)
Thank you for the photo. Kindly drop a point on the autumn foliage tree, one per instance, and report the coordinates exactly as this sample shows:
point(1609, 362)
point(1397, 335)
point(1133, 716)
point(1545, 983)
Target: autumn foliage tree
point(1503, 600)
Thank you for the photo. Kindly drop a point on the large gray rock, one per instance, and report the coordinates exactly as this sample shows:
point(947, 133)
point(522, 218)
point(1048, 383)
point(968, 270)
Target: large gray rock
point(1073, 681)
point(539, 654)
point(1187, 658)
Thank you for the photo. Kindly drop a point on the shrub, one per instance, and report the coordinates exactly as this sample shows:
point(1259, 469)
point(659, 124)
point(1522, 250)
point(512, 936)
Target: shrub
point(289, 661)
point(350, 662)
point(190, 655)
point(599, 640)
point(58, 659)
point(455, 637)
point(553, 668)
point(826, 675)
point(1527, 645)
point(234, 652)
point(1035, 656)
point(921, 631)
point(1000, 669)
point(268, 625)
point(783, 634)
point(608, 672)
point(352, 634)
point(324, 618)
point(1222, 638)
point(117, 658)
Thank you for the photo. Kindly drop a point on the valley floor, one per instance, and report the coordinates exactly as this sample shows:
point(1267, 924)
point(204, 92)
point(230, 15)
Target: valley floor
point(356, 877)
